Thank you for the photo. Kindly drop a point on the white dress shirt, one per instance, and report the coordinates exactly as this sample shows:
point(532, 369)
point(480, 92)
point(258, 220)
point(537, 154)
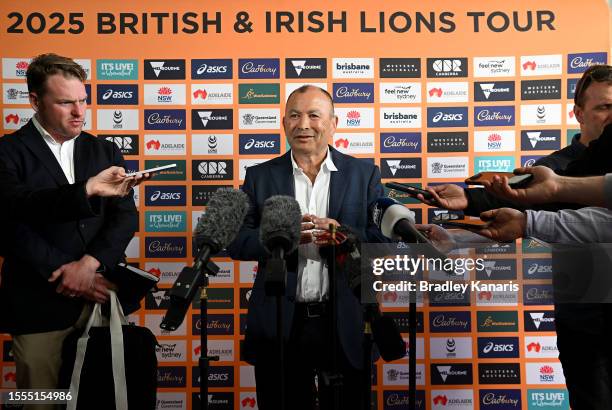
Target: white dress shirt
point(63, 152)
point(312, 279)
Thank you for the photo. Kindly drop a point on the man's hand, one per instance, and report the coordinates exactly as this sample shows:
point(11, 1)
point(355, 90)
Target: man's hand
point(113, 182)
point(542, 188)
point(306, 229)
point(77, 277)
point(447, 196)
point(99, 291)
point(505, 224)
point(321, 228)
point(440, 237)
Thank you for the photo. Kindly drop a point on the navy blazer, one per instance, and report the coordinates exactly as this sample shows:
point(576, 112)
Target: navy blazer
point(353, 188)
point(38, 244)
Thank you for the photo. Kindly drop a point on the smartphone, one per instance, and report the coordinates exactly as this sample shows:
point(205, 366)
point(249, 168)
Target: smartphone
point(470, 224)
point(409, 189)
point(520, 181)
point(150, 170)
point(479, 178)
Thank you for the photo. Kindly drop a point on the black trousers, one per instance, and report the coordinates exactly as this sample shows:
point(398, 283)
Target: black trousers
point(583, 339)
point(308, 355)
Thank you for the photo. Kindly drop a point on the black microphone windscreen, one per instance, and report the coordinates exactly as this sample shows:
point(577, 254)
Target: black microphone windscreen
point(281, 220)
point(219, 225)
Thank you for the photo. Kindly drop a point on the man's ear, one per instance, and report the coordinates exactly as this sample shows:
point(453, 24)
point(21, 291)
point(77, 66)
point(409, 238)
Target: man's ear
point(34, 101)
point(579, 113)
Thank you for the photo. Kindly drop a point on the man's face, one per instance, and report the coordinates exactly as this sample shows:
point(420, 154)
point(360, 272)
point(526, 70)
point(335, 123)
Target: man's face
point(596, 110)
point(61, 110)
point(308, 122)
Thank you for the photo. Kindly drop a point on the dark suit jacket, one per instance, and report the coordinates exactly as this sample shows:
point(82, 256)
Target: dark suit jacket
point(34, 249)
point(353, 188)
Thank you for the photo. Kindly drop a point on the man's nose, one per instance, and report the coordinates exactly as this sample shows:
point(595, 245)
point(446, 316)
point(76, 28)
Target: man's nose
point(78, 109)
point(304, 122)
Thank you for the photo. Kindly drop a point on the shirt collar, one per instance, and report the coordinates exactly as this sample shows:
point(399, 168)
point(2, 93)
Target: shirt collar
point(328, 163)
point(46, 136)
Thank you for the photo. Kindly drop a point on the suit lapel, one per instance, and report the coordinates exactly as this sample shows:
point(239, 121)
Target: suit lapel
point(337, 185)
point(35, 143)
point(281, 175)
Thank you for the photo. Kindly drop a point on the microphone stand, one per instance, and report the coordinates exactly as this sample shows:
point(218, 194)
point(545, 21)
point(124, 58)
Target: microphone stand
point(189, 279)
point(275, 284)
point(333, 378)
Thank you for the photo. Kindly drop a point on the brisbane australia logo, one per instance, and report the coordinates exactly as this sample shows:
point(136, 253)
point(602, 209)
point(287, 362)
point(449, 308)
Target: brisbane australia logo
point(153, 144)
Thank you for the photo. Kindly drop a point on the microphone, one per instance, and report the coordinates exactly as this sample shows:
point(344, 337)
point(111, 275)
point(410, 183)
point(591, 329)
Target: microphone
point(396, 222)
point(279, 232)
point(217, 227)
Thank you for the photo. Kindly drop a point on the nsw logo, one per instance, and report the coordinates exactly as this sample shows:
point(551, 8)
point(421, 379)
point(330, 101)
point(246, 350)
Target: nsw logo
point(257, 144)
point(117, 94)
point(211, 69)
point(353, 92)
point(438, 117)
point(259, 68)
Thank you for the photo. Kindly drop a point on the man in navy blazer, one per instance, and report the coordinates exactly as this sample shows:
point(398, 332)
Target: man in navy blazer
point(52, 266)
point(331, 188)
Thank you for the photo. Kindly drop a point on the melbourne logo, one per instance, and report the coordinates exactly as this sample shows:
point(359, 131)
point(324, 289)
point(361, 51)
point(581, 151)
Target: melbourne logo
point(215, 119)
point(401, 167)
point(306, 68)
point(539, 140)
point(455, 373)
point(494, 91)
point(164, 69)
